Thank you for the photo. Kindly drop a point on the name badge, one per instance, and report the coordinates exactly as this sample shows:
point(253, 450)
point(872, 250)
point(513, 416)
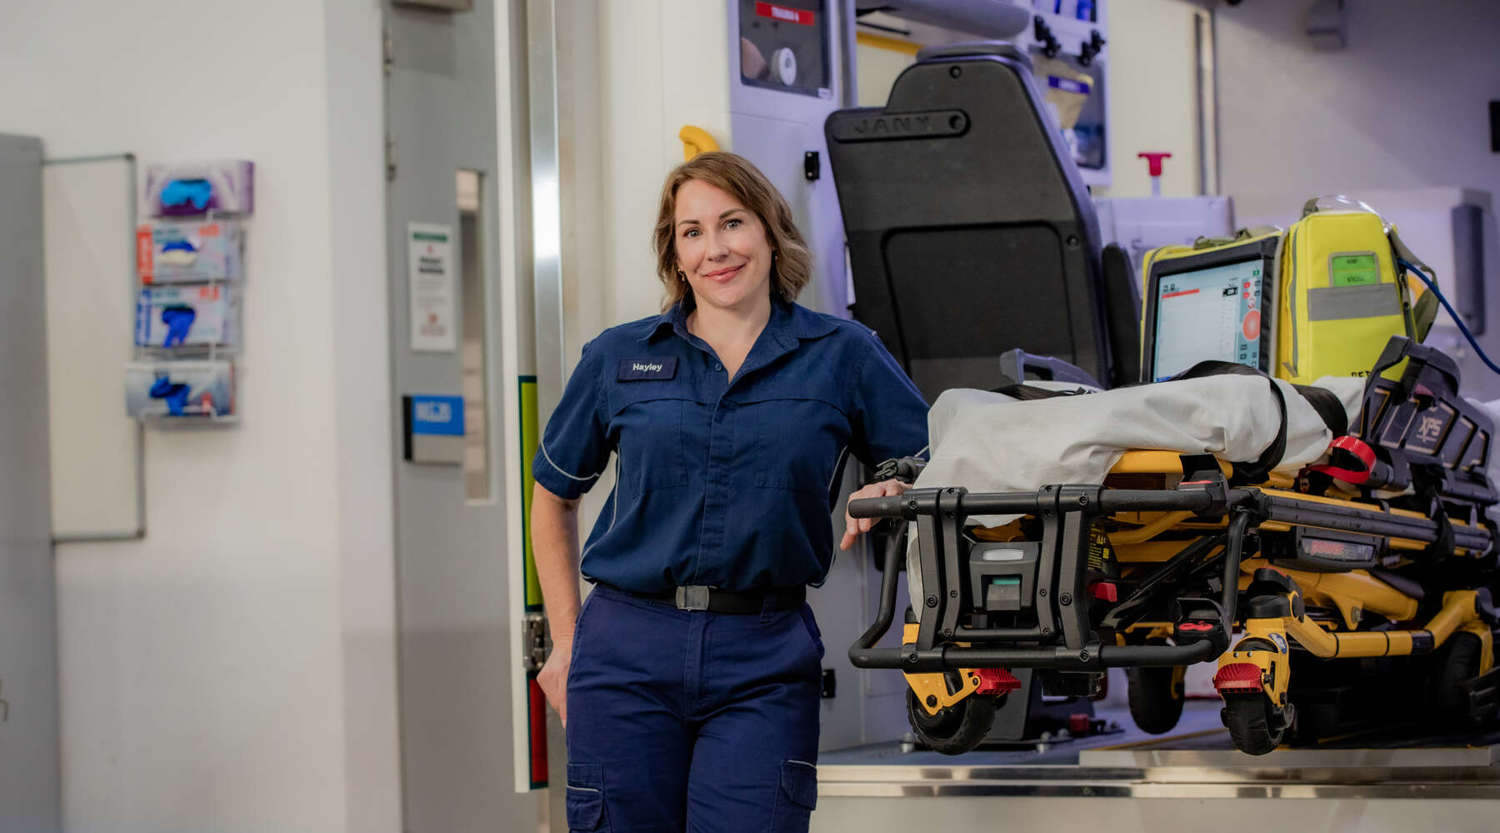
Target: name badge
point(643, 370)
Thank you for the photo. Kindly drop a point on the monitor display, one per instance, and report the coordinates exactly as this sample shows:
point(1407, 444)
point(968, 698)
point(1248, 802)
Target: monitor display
point(1210, 313)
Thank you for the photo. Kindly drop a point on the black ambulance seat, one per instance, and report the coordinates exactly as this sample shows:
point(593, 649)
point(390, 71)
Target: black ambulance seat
point(970, 231)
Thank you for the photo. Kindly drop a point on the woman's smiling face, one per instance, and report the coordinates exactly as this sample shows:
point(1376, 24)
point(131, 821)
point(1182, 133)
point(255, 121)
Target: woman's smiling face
point(721, 247)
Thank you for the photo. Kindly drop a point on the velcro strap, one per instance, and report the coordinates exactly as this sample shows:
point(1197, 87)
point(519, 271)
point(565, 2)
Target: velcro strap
point(1328, 406)
point(1029, 393)
point(1257, 470)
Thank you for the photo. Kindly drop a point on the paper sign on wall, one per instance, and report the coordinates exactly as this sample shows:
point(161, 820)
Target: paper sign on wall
point(432, 298)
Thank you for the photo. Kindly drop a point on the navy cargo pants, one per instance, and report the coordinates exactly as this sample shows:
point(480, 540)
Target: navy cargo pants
point(691, 720)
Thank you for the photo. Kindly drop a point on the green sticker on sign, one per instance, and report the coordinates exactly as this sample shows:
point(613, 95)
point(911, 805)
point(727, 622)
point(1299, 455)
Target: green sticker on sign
point(1354, 270)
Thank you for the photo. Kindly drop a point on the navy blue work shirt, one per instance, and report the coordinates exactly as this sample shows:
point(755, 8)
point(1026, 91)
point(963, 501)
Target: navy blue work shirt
point(720, 482)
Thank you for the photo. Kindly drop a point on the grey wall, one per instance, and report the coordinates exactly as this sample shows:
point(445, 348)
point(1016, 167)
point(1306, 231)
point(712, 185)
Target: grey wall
point(1404, 105)
point(30, 795)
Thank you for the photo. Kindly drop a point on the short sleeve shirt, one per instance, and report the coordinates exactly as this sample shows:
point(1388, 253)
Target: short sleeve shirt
point(724, 482)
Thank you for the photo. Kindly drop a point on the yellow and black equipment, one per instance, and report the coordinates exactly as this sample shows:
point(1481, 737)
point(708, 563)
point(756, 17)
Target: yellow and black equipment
point(1318, 299)
point(975, 197)
point(1367, 579)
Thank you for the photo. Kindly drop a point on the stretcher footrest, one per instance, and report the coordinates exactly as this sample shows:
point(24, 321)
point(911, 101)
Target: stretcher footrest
point(1483, 693)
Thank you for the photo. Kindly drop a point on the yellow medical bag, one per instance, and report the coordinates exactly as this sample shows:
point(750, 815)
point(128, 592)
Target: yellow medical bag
point(1342, 294)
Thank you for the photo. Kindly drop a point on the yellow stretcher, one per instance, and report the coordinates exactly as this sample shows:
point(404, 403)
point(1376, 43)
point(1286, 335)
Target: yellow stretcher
point(1364, 580)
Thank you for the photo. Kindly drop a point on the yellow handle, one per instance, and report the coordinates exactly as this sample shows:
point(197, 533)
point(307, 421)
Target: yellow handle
point(695, 140)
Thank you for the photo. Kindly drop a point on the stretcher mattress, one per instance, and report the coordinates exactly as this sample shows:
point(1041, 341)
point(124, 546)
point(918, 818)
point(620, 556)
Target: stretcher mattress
point(989, 442)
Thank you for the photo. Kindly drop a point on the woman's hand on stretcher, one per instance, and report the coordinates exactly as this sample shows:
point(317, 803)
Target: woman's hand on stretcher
point(855, 527)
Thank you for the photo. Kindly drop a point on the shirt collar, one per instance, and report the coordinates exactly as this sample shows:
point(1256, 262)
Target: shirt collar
point(672, 319)
point(789, 322)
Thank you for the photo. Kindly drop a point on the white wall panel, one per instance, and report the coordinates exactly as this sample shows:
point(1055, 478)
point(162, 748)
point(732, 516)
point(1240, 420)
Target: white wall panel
point(1152, 96)
point(89, 228)
point(203, 669)
point(362, 413)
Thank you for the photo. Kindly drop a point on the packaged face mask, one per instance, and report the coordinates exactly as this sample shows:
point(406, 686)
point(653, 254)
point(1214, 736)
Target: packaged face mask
point(1065, 89)
point(186, 316)
point(177, 252)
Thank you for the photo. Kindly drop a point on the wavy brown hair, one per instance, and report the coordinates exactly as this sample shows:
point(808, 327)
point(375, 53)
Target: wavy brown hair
point(791, 268)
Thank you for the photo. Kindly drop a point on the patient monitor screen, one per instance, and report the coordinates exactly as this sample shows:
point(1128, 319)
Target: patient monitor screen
point(1211, 313)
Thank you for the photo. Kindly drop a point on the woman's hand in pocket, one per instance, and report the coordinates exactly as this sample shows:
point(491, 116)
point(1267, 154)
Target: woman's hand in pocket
point(553, 678)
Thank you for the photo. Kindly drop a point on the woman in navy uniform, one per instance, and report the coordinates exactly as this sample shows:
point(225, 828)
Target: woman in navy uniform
point(688, 683)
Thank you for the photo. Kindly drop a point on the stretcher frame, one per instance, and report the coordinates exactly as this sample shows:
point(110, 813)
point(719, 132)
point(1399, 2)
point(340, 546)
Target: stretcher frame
point(1193, 550)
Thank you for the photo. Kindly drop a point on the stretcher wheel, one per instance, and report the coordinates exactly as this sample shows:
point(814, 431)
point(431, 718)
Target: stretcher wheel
point(1251, 718)
point(953, 730)
point(1156, 696)
point(1457, 663)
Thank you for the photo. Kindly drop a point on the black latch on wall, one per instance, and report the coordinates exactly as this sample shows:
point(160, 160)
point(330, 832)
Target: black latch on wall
point(812, 167)
point(1495, 127)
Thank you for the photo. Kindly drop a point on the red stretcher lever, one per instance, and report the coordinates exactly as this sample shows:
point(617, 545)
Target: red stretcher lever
point(1360, 450)
point(996, 681)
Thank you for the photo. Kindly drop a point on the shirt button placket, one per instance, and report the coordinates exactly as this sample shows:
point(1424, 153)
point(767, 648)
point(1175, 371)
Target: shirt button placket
point(716, 484)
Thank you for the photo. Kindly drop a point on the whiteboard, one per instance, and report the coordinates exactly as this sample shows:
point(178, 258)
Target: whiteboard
point(89, 229)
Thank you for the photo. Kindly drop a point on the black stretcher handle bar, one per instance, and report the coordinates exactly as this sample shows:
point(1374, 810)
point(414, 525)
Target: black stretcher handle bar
point(948, 657)
point(1026, 503)
point(907, 506)
point(895, 551)
point(1371, 522)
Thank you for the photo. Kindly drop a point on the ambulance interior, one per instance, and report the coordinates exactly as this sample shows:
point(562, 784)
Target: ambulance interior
point(317, 609)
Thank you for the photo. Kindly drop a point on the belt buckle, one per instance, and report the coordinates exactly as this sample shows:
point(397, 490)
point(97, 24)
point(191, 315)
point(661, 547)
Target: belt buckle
point(692, 597)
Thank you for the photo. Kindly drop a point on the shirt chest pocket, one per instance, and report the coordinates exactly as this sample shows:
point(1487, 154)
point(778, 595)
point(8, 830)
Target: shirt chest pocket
point(647, 429)
point(797, 439)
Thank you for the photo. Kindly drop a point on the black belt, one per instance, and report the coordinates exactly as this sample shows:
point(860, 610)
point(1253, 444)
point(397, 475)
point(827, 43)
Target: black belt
point(714, 600)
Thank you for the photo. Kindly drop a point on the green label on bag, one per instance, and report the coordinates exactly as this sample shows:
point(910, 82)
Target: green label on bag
point(1354, 270)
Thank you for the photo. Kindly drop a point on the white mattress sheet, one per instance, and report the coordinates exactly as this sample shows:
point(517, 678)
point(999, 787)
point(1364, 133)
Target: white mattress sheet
point(993, 443)
point(988, 442)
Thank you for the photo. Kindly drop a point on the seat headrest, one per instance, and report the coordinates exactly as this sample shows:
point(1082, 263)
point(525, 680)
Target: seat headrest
point(975, 49)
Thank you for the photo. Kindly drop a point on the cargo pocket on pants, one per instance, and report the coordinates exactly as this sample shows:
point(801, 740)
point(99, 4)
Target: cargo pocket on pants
point(585, 802)
point(796, 797)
